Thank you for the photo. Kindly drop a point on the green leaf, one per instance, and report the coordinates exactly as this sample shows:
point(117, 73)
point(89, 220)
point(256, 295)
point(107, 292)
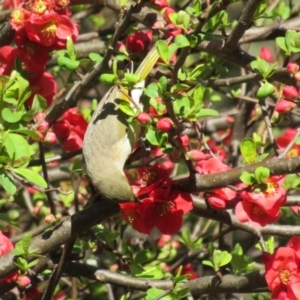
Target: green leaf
point(31, 176)
point(132, 78)
point(11, 117)
point(108, 78)
point(68, 63)
point(143, 256)
point(248, 150)
point(248, 178)
point(261, 174)
point(7, 183)
point(151, 90)
point(16, 146)
point(162, 84)
point(21, 263)
point(181, 41)
point(27, 132)
point(70, 48)
point(39, 104)
point(208, 263)
point(221, 258)
point(265, 90)
point(125, 107)
point(153, 294)
point(95, 57)
point(163, 50)
point(207, 112)
point(281, 43)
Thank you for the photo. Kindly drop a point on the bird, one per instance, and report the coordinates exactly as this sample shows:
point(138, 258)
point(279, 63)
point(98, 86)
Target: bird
point(109, 138)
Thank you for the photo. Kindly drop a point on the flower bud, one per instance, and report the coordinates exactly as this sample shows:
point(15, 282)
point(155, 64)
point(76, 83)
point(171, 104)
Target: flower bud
point(23, 281)
point(144, 118)
point(50, 138)
point(160, 4)
point(266, 54)
point(62, 128)
point(290, 92)
point(42, 126)
point(40, 116)
point(172, 30)
point(292, 67)
point(196, 155)
point(284, 106)
point(184, 140)
point(164, 124)
point(139, 41)
point(167, 12)
point(297, 76)
point(49, 219)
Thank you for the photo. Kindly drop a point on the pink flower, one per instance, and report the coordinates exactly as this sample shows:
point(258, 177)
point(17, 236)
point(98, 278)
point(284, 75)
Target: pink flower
point(144, 118)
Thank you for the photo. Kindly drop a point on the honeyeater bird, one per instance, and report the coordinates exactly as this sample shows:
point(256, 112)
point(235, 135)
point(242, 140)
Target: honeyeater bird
point(109, 138)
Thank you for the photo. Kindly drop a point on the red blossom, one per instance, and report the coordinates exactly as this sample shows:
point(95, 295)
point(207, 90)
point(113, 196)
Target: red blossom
point(164, 208)
point(187, 269)
point(72, 142)
point(7, 56)
point(62, 128)
point(283, 140)
point(283, 273)
point(266, 54)
point(139, 41)
point(167, 12)
point(50, 29)
point(172, 30)
point(160, 4)
point(45, 86)
point(144, 118)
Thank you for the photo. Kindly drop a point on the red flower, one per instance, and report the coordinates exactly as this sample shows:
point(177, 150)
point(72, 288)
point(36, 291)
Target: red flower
point(62, 128)
point(283, 140)
point(5, 247)
point(139, 41)
point(45, 86)
point(133, 213)
point(165, 209)
point(270, 196)
point(210, 166)
point(266, 54)
point(283, 273)
point(167, 12)
point(144, 118)
point(50, 29)
point(172, 30)
point(221, 198)
point(76, 120)
point(249, 212)
point(72, 142)
point(187, 269)
point(7, 57)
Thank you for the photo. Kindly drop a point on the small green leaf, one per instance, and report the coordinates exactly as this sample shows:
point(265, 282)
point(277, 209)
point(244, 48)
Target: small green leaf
point(7, 183)
point(248, 178)
point(67, 63)
point(181, 41)
point(11, 117)
point(143, 256)
point(132, 78)
point(70, 48)
point(95, 57)
point(163, 50)
point(108, 78)
point(16, 146)
point(208, 263)
point(265, 90)
point(151, 90)
point(248, 150)
point(207, 112)
point(31, 176)
point(125, 107)
point(261, 174)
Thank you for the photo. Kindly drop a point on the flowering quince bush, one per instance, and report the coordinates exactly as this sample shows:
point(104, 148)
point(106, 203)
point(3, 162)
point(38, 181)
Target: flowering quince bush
point(215, 161)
